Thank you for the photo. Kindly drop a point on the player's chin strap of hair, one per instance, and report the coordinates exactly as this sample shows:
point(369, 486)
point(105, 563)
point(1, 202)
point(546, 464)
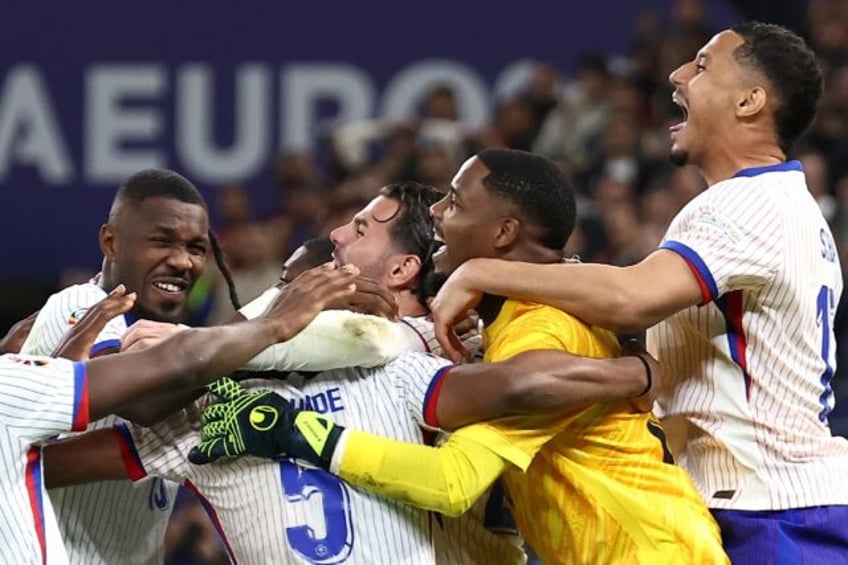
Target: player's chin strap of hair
point(648, 374)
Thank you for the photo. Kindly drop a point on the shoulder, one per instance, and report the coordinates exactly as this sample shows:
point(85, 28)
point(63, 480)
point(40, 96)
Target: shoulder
point(75, 300)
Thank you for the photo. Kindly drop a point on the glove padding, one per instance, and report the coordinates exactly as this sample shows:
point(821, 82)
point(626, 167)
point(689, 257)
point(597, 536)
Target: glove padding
point(263, 424)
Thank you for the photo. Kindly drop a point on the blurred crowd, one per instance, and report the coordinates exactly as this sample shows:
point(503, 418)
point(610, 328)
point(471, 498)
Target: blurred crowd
point(605, 122)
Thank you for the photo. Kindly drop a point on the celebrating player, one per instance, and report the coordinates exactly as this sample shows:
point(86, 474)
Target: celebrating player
point(742, 291)
point(394, 231)
point(156, 243)
point(593, 485)
point(40, 397)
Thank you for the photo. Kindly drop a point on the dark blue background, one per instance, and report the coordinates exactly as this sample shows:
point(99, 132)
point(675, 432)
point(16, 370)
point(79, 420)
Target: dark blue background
point(47, 228)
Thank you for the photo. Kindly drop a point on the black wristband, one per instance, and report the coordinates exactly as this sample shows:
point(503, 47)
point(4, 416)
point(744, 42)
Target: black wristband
point(326, 454)
point(647, 374)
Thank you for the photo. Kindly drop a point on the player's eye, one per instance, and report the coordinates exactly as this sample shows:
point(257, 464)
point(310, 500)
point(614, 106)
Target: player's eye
point(700, 68)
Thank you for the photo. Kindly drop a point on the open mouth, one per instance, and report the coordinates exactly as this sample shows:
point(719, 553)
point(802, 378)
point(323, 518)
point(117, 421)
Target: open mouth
point(171, 286)
point(678, 100)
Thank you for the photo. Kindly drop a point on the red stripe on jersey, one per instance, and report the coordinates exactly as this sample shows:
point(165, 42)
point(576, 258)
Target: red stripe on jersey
point(36, 502)
point(132, 462)
point(431, 398)
point(731, 306)
point(213, 515)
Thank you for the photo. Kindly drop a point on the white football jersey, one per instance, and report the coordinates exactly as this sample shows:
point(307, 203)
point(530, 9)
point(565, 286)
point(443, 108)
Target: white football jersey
point(747, 391)
point(283, 512)
point(39, 397)
point(109, 522)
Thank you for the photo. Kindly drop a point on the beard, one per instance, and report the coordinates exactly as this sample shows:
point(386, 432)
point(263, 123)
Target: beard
point(678, 157)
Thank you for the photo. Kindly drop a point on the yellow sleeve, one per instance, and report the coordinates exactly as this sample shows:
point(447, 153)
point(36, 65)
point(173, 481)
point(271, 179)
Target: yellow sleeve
point(518, 438)
point(446, 479)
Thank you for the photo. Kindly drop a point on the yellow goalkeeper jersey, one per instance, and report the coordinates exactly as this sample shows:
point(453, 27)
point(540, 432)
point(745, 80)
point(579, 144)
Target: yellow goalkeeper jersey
point(593, 485)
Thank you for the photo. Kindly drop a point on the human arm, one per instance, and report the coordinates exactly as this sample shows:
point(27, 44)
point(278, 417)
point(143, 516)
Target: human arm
point(334, 339)
point(125, 451)
point(194, 357)
point(622, 299)
point(534, 382)
point(84, 458)
point(17, 334)
point(447, 479)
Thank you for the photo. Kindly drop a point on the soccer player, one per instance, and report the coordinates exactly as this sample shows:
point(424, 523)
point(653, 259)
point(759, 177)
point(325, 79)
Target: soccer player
point(593, 485)
point(155, 242)
point(391, 238)
point(738, 301)
point(41, 396)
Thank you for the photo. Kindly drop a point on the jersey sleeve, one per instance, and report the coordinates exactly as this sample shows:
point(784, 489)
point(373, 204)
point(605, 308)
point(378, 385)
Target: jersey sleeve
point(727, 248)
point(61, 312)
point(517, 439)
point(337, 339)
point(162, 449)
point(417, 378)
point(41, 396)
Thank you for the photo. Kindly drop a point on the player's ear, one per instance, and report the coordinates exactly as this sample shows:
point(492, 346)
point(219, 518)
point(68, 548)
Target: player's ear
point(404, 269)
point(507, 232)
point(108, 241)
point(751, 102)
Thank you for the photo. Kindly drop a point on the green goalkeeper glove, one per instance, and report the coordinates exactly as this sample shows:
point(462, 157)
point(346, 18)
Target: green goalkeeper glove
point(263, 424)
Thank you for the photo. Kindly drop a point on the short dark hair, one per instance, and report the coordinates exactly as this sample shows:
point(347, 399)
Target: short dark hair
point(151, 183)
point(539, 188)
point(412, 227)
point(793, 73)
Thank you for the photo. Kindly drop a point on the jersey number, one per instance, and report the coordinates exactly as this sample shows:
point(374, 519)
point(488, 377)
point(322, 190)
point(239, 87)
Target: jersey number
point(326, 534)
point(825, 309)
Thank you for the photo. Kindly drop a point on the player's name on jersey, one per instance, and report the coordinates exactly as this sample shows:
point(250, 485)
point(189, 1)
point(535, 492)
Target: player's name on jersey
point(327, 401)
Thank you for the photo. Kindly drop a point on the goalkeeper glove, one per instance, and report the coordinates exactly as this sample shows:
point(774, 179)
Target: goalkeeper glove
point(263, 424)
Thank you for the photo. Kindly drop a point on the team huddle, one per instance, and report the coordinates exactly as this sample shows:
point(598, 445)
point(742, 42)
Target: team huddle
point(395, 427)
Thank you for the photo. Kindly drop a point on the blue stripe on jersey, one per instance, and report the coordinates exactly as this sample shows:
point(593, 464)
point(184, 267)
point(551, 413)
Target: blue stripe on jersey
point(780, 167)
point(695, 260)
point(731, 306)
point(79, 421)
point(431, 397)
point(35, 489)
point(108, 344)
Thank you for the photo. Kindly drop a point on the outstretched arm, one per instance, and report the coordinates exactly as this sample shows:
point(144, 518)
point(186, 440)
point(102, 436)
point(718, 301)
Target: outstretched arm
point(536, 382)
point(195, 357)
point(447, 479)
point(622, 299)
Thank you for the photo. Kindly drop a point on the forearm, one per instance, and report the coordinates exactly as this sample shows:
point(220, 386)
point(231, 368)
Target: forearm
point(623, 299)
point(89, 457)
point(535, 382)
point(602, 295)
point(153, 408)
point(184, 362)
point(447, 479)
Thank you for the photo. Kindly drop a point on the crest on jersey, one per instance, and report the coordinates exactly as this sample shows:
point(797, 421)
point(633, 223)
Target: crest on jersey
point(76, 316)
point(28, 361)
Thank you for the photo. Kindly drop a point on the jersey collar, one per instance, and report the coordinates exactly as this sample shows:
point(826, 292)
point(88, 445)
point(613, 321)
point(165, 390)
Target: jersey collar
point(780, 167)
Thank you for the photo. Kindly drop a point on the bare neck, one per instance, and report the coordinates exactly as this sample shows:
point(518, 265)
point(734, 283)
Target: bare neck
point(408, 304)
point(737, 152)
